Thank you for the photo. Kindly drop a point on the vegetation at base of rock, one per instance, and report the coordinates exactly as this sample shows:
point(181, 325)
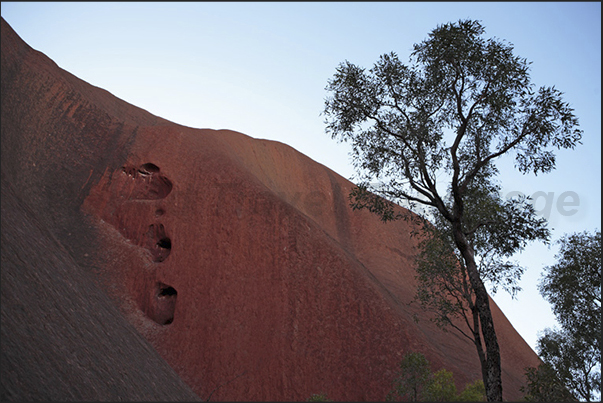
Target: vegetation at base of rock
point(415, 382)
point(321, 397)
point(473, 392)
point(445, 119)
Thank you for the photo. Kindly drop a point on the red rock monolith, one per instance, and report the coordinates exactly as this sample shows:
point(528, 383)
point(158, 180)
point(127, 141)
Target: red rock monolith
point(238, 259)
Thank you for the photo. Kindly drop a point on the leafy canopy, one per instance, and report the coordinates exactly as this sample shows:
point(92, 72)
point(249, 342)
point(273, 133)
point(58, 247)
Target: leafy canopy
point(544, 385)
point(574, 361)
point(397, 116)
point(573, 287)
point(462, 102)
point(430, 132)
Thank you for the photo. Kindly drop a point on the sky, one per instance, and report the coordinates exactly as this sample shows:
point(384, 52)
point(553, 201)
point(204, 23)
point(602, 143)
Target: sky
point(261, 69)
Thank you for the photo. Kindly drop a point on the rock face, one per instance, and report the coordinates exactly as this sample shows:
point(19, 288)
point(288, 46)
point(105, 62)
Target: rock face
point(62, 337)
point(238, 260)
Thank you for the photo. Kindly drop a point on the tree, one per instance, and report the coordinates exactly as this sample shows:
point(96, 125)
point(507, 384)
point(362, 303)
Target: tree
point(573, 287)
point(462, 103)
point(573, 360)
point(543, 385)
point(413, 378)
point(441, 387)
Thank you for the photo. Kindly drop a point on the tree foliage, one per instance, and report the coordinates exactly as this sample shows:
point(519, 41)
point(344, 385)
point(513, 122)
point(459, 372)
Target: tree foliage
point(574, 361)
point(414, 375)
point(573, 287)
point(544, 385)
point(430, 133)
point(416, 382)
point(441, 387)
point(473, 392)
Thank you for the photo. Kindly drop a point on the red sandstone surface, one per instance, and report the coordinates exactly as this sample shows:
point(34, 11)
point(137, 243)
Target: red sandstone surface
point(238, 260)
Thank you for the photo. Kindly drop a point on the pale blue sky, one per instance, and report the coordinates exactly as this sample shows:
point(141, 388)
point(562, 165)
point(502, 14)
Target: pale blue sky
point(261, 69)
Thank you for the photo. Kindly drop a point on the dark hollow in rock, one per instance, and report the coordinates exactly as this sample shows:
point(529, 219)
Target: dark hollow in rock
point(163, 304)
point(148, 183)
point(148, 169)
point(167, 291)
point(164, 243)
point(158, 242)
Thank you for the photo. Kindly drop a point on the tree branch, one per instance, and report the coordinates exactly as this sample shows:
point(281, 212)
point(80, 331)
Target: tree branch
point(477, 226)
point(524, 133)
point(431, 194)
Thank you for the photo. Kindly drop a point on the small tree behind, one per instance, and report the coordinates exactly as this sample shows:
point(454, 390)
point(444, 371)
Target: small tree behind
point(543, 385)
point(573, 287)
point(412, 380)
point(441, 387)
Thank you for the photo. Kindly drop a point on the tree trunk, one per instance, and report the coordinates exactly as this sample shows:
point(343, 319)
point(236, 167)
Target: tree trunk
point(477, 340)
point(493, 382)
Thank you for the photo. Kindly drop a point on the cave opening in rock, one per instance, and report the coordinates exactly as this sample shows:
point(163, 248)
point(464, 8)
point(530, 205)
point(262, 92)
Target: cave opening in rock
point(164, 243)
point(149, 183)
point(167, 291)
point(148, 168)
point(162, 250)
point(164, 304)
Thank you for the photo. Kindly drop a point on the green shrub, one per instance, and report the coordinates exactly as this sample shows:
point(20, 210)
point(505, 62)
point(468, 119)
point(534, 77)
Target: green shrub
point(441, 387)
point(416, 383)
point(473, 392)
point(322, 397)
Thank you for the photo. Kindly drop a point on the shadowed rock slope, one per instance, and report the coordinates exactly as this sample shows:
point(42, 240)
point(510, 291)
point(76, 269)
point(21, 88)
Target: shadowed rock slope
point(237, 259)
point(62, 338)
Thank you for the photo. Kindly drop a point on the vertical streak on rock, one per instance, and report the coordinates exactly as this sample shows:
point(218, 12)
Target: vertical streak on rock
point(341, 210)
